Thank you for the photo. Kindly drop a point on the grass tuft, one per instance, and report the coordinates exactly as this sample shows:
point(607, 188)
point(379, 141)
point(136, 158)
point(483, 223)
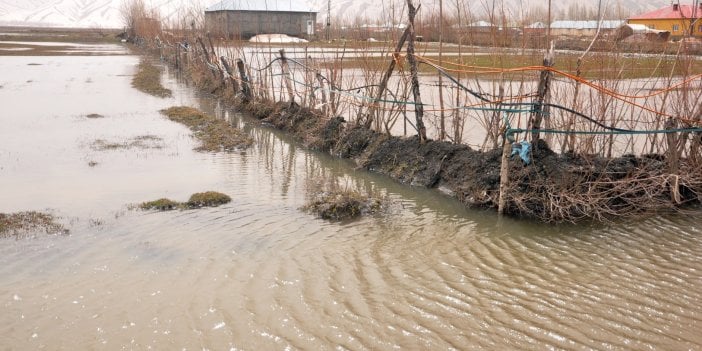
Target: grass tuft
point(207, 199)
point(197, 200)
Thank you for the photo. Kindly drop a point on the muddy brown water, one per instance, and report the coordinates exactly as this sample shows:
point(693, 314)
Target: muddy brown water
point(259, 274)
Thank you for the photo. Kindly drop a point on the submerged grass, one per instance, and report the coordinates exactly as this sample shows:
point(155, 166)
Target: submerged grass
point(197, 200)
point(214, 134)
point(139, 142)
point(148, 80)
point(29, 222)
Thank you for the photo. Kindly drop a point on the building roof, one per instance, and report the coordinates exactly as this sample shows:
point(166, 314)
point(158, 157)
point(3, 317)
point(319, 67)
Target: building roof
point(585, 24)
point(261, 5)
point(481, 24)
point(671, 12)
point(536, 25)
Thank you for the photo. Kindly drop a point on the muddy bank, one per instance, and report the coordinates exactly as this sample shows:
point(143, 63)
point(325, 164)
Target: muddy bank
point(553, 188)
point(339, 204)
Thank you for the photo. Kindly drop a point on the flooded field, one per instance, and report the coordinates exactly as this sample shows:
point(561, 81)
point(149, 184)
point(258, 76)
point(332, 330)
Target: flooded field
point(260, 274)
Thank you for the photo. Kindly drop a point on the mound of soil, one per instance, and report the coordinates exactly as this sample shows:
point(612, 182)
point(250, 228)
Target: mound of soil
point(342, 205)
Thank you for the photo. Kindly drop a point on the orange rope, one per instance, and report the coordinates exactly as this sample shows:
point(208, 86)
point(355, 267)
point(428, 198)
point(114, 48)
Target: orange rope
point(563, 73)
point(618, 96)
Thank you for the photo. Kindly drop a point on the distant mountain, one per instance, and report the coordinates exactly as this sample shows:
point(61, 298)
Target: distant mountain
point(84, 13)
point(105, 13)
point(348, 11)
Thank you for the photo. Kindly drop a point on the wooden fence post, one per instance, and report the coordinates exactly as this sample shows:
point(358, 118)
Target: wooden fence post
point(286, 76)
point(418, 107)
point(209, 39)
point(672, 146)
point(507, 140)
point(245, 88)
point(543, 94)
point(504, 172)
point(386, 77)
point(208, 59)
point(320, 81)
point(230, 72)
point(177, 56)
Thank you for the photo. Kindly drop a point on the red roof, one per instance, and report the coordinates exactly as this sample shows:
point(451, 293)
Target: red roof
point(671, 12)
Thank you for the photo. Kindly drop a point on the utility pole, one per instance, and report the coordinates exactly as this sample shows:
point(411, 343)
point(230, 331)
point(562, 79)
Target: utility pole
point(548, 30)
point(442, 126)
point(328, 19)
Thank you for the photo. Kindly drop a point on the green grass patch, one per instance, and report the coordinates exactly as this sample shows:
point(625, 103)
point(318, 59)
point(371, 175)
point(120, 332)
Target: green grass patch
point(197, 200)
point(28, 223)
point(148, 80)
point(207, 199)
point(160, 205)
point(213, 133)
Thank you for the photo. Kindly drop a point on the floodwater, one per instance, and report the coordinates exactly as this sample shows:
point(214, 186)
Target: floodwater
point(260, 274)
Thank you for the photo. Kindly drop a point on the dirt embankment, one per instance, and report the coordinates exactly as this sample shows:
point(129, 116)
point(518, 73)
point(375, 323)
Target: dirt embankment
point(553, 188)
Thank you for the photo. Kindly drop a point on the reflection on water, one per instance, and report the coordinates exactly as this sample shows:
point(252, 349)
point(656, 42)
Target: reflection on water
point(258, 273)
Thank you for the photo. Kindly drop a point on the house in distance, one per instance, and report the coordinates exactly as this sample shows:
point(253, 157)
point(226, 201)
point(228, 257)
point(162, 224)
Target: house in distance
point(243, 19)
point(679, 20)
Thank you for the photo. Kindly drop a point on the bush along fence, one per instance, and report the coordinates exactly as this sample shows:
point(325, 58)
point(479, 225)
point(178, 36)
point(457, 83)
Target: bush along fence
point(533, 142)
